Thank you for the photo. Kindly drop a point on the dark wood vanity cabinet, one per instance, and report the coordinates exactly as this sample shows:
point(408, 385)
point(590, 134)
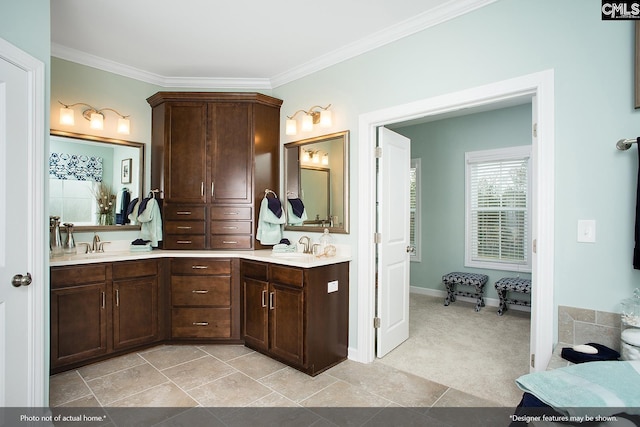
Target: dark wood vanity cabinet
point(205, 299)
point(297, 315)
point(213, 153)
point(101, 309)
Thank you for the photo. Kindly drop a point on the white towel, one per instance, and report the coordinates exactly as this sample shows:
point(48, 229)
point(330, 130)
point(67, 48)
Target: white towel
point(150, 222)
point(269, 231)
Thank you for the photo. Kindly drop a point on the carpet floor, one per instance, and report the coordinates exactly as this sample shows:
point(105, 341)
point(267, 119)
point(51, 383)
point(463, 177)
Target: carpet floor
point(479, 353)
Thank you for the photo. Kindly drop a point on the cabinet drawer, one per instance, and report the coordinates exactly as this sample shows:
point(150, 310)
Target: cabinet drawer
point(187, 241)
point(181, 212)
point(231, 212)
point(201, 266)
point(201, 290)
point(286, 275)
point(184, 227)
point(231, 227)
point(201, 323)
point(255, 270)
point(127, 270)
point(67, 276)
point(228, 241)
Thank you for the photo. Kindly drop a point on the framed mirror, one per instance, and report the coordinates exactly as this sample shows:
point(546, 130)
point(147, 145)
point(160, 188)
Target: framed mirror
point(317, 180)
point(85, 170)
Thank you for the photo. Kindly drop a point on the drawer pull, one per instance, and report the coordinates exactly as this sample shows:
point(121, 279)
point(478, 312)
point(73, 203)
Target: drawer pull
point(200, 291)
point(184, 227)
point(200, 323)
point(183, 213)
point(183, 242)
point(199, 267)
point(271, 301)
point(231, 213)
point(264, 298)
point(117, 297)
point(103, 300)
point(230, 227)
point(229, 242)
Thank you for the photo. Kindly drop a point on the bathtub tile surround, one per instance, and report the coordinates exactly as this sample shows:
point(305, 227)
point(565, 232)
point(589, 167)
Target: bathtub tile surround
point(580, 326)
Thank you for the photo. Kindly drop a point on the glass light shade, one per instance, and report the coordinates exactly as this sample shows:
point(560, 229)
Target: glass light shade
point(66, 116)
point(316, 158)
point(325, 159)
point(305, 156)
point(123, 126)
point(307, 123)
point(291, 127)
point(325, 118)
point(97, 121)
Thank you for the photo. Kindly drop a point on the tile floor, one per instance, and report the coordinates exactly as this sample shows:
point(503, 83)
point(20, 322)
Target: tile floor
point(235, 376)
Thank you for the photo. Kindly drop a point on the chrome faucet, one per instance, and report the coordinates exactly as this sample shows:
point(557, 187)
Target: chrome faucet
point(306, 244)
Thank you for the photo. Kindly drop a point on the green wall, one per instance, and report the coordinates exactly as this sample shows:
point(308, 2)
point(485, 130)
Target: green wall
point(441, 145)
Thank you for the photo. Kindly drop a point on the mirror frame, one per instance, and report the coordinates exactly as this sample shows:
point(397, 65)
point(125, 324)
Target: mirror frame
point(291, 155)
point(112, 141)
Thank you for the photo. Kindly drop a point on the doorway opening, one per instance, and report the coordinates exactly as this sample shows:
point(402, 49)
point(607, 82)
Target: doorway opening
point(536, 88)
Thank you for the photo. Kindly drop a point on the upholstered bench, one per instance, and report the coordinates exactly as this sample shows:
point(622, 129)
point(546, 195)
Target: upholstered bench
point(512, 284)
point(477, 281)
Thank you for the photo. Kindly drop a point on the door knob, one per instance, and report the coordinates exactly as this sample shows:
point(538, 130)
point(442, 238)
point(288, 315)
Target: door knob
point(20, 280)
point(411, 249)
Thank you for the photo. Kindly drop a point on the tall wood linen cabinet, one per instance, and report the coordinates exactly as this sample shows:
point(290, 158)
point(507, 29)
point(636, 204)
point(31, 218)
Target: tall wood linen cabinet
point(213, 155)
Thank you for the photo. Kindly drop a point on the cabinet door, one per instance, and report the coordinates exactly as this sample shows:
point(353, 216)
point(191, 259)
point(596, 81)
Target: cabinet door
point(135, 312)
point(286, 323)
point(78, 323)
point(185, 152)
point(255, 324)
point(231, 153)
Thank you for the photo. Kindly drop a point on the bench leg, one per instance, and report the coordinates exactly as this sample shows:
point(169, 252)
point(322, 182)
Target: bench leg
point(450, 296)
point(503, 302)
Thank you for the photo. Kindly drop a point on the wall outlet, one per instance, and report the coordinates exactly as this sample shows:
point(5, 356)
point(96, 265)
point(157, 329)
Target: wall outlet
point(587, 231)
point(332, 286)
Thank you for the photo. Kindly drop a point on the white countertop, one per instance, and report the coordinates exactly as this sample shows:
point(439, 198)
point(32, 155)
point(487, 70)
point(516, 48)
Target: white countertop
point(264, 255)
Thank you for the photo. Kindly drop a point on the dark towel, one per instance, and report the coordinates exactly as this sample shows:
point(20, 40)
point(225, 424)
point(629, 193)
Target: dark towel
point(604, 353)
point(275, 206)
point(131, 207)
point(297, 206)
point(140, 242)
point(636, 249)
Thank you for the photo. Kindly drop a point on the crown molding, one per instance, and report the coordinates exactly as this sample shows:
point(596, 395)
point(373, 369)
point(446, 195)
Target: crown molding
point(430, 18)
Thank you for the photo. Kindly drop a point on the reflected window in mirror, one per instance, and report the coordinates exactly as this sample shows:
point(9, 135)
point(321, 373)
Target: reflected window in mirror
point(317, 180)
point(87, 184)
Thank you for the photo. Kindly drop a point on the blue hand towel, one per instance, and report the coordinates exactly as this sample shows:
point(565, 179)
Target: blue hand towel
point(269, 231)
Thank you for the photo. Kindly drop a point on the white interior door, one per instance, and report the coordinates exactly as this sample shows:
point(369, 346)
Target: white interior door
point(21, 235)
point(393, 250)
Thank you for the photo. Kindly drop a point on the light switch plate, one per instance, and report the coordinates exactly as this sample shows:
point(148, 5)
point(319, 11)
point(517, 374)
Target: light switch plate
point(332, 286)
point(586, 230)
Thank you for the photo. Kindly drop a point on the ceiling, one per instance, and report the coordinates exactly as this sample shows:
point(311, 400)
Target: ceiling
point(234, 44)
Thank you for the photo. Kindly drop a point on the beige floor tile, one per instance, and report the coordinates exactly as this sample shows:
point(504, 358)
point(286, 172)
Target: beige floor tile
point(457, 398)
point(194, 417)
point(342, 394)
point(296, 385)
point(124, 383)
point(256, 365)
point(66, 387)
point(198, 372)
point(226, 352)
point(167, 356)
point(84, 402)
point(163, 395)
point(110, 366)
point(236, 389)
point(274, 400)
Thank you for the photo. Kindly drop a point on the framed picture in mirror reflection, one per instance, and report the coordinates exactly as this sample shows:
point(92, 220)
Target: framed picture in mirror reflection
point(125, 171)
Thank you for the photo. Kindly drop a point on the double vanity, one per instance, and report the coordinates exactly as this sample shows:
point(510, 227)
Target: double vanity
point(293, 308)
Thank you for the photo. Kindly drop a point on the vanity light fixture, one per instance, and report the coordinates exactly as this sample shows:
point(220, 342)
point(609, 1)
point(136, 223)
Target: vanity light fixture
point(95, 117)
point(315, 157)
point(312, 116)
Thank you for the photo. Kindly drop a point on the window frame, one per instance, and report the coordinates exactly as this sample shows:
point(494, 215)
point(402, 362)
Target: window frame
point(493, 156)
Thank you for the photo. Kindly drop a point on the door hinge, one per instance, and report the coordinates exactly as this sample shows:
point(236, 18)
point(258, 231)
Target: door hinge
point(377, 238)
point(378, 152)
point(535, 130)
point(376, 322)
point(533, 360)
